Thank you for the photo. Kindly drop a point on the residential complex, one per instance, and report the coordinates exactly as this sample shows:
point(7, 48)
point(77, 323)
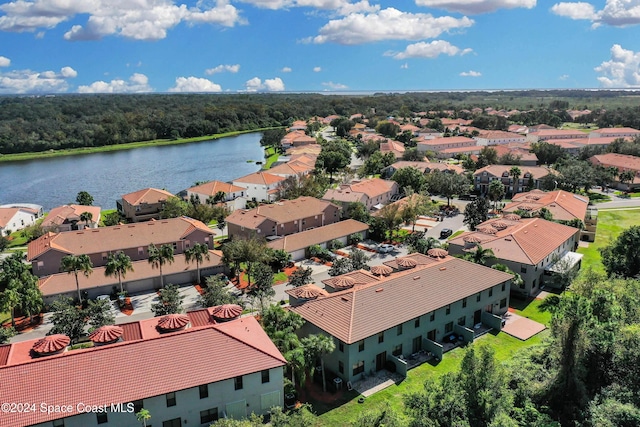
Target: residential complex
point(372, 193)
point(622, 163)
point(529, 179)
point(71, 217)
point(143, 205)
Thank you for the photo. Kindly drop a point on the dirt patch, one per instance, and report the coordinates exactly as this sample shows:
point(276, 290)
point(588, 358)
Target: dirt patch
point(127, 307)
point(24, 324)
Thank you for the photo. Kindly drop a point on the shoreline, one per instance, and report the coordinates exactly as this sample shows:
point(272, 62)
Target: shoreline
point(6, 158)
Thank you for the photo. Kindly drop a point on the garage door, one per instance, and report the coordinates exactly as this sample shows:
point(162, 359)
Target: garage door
point(298, 255)
point(236, 410)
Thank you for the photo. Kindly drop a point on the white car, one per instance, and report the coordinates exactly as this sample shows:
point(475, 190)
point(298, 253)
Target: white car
point(385, 248)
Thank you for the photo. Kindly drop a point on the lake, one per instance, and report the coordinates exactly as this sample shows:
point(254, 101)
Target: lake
point(107, 176)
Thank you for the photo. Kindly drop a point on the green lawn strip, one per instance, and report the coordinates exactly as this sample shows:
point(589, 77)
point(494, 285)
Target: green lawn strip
point(4, 317)
point(598, 197)
point(280, 277)
point(456, 234)
point(530, 310)
point(118, 147)
point(271, 157)
point(505, 347)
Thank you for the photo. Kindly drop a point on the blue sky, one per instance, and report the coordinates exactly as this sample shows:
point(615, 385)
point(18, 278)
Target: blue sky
point(127, 46)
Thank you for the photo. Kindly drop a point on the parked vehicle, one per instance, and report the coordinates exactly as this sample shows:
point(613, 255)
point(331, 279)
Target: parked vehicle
point(385, 248)
point(446, 232)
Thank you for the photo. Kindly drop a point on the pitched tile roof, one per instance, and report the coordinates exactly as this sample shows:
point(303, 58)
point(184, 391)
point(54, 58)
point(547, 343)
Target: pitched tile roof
point(117, 237)
point(212, 188)
point(527, 241)
point(146, 195)
point(538, 172)
point(450, 140)
point(240, 347)
point(562, 204)
point(620, 161)
point(59, 283)
point(362, 311)
point(260, 178)
point(6, 214)
point(281, 212)
point(304, 239)
point(370, 187)
point(358, 277)
point(293, 167)
point(60, 214)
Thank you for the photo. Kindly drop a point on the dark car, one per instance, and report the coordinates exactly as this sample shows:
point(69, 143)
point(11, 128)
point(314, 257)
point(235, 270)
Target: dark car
point(446, 232)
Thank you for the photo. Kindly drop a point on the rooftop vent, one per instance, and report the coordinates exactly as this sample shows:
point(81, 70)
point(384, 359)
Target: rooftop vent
point(416, 277)
point(443, 268)
point(379, 290)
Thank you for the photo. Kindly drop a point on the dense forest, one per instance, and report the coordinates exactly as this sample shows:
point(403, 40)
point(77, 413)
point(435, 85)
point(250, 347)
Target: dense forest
point(33, 124)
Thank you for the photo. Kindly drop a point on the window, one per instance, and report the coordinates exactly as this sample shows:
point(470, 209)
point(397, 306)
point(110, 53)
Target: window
point(265, 376)
point(534, 284)
point(358, 368)
point(503, 287)
point(361, 345)
point(416, 322)
point(341, 346)
point(503, 303)
point(187, 243)
point(175, 246)
point(341, 367)
point(432, 317)
point(101, 418)
point(448, 328)
point(237, 383)
point(478, 297)
point(448, 310)
point(104, 256)
point(464, 302)
point(523, 269)
point(140, 251)
point(171, 399)
point(399, 329)
point(137, 406)
point(40, 265)
point(204, 391)
point(58, 423)
point(490, 292)
point(462, 321)
point(176, 422)
point(380, 337)
point(209, 416)
point(397, 350)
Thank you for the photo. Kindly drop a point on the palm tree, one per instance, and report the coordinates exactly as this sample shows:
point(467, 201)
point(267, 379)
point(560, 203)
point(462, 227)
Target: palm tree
point(32, 302)
point(74, 264)
point(515, 173)
point(481, 255)
point(10, 299)
point(496, 191)
point(143, 416)
point(220, 196)
point(198, 253)
point(159, 257)
point(86, 217)
point(626, 176)
point(316, 347)
point(117, 265)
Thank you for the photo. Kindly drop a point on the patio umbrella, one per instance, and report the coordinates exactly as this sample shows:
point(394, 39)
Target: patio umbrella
point(106, 334)
point(343, 282)
point(406, 262)
point(512, 217)
point(51, 344)
point(437, 253)
point(381, 270)
point(173, 322)
point(487, 229)
point(226, 312)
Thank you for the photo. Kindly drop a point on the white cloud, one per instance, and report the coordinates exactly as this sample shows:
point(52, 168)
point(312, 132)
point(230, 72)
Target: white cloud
point(270, 85)
point(338, 7)
point(27, 81)
point(317, 69)
point(286, 70)
point(622, 70)
point(470, 73)
point(4, 61)
point(404, 66)
point(334, 86)
point(429, 50)
point(195, 84)
point(387, 24)
point(563, 77)
point(139, 19)
point(222, 68)
point(472, 7)
point(578, 10)
point(137, 83)
point(617, 13)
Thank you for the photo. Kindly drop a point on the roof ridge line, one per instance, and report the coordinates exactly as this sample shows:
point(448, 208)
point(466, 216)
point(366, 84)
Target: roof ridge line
point(248, 344)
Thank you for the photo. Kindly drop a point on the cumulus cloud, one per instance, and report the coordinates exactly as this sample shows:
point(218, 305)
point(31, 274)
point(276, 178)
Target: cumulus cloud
point(4, 61)
point(269, 85)
point(387, 24)
point(195, 84)
point(470, 73)
point(140, 19)
point(617, 13)
point(473, 7)
point(27, 81)
point(429, 50)
point(286, 70)
point(622, 70)
point(137, 83)
point(222, 68)
point(317, 69)
point(338, 7)
point(334, 86)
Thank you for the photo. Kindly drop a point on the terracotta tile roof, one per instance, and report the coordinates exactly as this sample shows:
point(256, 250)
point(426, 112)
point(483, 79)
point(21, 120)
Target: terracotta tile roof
point(311, 149)
point(117, 237)
point(6, 214)
point(620, 161)
point(448, 141)
point(60, 214)
point(147, 195)
point(307, 292)
point(562, 204)
point(200, 317)
point(499, 134)
point(281, 212)
point(358, 277)
point(260, 178)
point(292, 167)
point(617, 131)
point(304, 239)
point(131, 331)
point(106, 334)
point(418, 258)
point(558, 133)
point(226, 311)
point(472, 149)
point(390, 146)
point(240, 347)
point(212, 188)
point(62, 283)
point(363, 311)
point(527, 241)
point(538, 172)
point(369, 187)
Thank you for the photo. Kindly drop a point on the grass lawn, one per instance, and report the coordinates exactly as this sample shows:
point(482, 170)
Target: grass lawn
point(271, 157)
point(598, 197)
point(456, 234)
point(529, 309)
point(579, 126)
point(505, 347)
point(4, 317)
point(611, 222)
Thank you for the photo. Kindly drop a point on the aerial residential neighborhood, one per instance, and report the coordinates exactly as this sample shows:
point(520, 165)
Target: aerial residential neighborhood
point(361, 254)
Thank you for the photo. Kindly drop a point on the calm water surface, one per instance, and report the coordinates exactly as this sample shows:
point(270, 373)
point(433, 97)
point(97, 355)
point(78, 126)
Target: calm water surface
point(107, 176)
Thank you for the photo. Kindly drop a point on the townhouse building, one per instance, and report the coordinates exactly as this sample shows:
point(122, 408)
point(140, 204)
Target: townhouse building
point(143, 205)
point(373, 193)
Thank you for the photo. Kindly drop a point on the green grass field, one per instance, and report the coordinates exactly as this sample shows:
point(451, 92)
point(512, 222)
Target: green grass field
point(271, 157)
point(611, 222)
